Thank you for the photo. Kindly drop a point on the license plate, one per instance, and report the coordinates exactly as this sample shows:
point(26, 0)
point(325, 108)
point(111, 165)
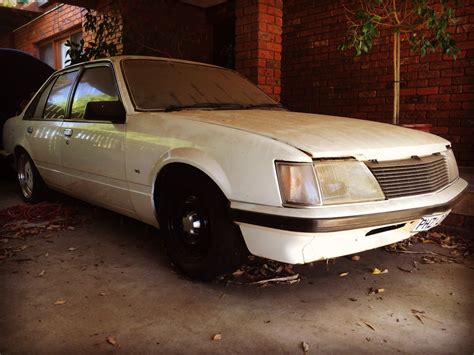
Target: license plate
point(428, 222)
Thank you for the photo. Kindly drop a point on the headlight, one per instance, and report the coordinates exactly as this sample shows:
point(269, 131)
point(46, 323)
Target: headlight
point(453, 172)
point(327, 182)
point(346, 181)
point(298, 184)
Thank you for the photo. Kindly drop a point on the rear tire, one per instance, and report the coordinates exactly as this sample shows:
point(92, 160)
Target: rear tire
point(32, 186)
point(200, 237)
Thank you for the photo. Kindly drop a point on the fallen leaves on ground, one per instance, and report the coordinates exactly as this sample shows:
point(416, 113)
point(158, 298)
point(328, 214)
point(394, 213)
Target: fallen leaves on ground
point(342, 274)
point(217, 337)
point(420, 315)
point(377, 271)
point(25, 220)
point(263, 272)
point(41, 273)
point(457, 248)
point(60, 302)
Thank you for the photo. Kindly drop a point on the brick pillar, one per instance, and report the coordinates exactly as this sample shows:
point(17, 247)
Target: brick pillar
point(258, 43)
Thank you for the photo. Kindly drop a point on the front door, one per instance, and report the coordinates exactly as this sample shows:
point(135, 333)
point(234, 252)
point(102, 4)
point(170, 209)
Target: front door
point(92, 152)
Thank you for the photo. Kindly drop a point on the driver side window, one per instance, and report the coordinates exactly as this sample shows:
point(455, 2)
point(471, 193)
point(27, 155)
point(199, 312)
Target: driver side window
point(96, 84)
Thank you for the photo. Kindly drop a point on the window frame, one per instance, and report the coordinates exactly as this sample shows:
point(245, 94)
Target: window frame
point(83, 68)
point(56, 42)
point(73, 85)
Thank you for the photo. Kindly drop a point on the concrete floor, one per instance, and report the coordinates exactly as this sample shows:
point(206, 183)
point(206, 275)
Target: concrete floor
point(148, 307)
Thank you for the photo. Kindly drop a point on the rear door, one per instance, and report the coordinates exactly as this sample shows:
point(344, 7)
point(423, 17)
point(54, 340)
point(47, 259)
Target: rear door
point(43, 119)
point(93, 152)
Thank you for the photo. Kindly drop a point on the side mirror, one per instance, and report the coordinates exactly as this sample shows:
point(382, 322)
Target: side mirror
point(105, 110)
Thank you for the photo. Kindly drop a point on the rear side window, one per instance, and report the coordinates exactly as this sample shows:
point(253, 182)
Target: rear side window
point(96, 84)
point(57, 100)
point(35, 110)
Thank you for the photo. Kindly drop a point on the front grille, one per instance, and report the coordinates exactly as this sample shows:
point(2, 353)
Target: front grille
point(415, 176)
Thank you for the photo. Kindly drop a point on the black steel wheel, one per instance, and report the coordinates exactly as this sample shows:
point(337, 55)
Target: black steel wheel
point(200, 237)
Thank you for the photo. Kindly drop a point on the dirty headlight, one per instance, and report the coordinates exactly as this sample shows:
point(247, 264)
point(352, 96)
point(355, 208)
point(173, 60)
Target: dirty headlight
point(346, 181)
point(298, 186)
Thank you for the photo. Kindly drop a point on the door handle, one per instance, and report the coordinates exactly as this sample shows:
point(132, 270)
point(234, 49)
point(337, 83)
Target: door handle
point(67, 132)
point(29, 130)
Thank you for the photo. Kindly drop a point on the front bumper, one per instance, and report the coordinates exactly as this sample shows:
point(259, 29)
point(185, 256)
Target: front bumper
point(303, 235)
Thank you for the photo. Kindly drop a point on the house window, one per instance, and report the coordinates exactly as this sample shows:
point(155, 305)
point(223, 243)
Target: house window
point(54, 52)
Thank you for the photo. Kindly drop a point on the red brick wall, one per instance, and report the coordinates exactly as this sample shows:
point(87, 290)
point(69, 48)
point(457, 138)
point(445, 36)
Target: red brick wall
point(166, 28)
point(61, 19)
point(318, 78)
point(258, 43)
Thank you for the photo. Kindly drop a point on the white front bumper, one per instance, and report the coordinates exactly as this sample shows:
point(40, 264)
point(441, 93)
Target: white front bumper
point(341, 234)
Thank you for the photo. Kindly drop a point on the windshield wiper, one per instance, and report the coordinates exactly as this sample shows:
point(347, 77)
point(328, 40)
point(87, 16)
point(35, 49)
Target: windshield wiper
point(212, 105)
point(270, 105)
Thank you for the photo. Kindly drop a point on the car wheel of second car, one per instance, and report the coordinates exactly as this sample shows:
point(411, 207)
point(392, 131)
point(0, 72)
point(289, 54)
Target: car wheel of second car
point(31, 184)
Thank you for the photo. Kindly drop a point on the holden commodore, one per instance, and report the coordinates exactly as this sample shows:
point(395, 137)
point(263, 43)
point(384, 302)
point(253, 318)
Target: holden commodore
point(221, 168)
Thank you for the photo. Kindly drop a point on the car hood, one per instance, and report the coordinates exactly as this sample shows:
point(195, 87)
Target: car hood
point(323, 136)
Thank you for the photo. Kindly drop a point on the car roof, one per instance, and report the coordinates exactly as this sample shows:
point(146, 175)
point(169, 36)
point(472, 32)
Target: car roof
point(120, 58)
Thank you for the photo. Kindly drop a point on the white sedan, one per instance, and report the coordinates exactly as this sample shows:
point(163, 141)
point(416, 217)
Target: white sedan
point(220, 167)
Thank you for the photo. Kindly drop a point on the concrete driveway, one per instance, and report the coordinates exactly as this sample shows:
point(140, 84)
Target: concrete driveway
point(119, 285)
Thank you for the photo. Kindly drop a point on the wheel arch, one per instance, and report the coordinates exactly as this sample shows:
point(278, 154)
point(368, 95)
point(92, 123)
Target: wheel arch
point(194, 159)
point(17, 150)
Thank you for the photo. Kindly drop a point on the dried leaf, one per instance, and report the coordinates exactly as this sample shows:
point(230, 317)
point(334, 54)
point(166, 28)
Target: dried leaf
point(403, 269)
point(373, 291)
point(305, 346)
point(71, 249)
point(419, 318)
point(217, 337)
point(238, 273)
point(342, 274)
point(103, 294)
point(111, 340)
point(60, 302)
point(368, 325)
point(375, 271)
point(355, 258)
point(41, 273)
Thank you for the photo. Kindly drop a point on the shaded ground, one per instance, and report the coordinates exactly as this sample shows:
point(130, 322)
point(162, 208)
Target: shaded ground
point(117, 282)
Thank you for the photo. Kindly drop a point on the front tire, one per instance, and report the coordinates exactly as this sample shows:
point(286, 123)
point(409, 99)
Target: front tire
point(200, 237)
point(32, 186)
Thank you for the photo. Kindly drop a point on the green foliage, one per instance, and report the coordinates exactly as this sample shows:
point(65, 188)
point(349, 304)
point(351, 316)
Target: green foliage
point(103, 29)
point(425, 25)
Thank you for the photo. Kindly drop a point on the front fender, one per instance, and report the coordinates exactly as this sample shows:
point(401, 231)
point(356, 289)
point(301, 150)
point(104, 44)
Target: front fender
point(199, 160)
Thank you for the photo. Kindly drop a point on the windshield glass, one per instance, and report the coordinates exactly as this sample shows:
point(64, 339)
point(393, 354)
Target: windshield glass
point(161, 85)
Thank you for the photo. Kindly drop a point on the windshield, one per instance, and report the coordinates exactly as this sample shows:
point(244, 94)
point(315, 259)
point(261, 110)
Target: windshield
point(167, 85)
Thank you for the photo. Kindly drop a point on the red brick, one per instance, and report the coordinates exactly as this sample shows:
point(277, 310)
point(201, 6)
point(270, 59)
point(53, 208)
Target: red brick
point(427, 91)
point(462, 97)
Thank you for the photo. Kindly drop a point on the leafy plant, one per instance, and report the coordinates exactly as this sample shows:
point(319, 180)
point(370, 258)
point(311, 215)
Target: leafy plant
point(424, 23)
point(103, 29)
